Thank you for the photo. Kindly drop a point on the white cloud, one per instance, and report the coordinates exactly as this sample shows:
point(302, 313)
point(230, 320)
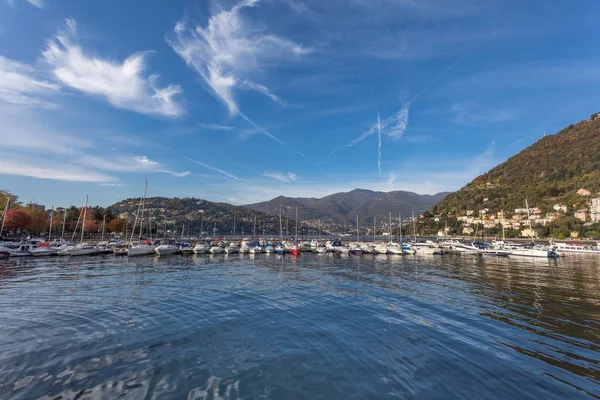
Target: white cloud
point(122, 84)
point(144, 160)
point(181, 174)
point(228, 49)
point(281, 177)
point(19, 85)
point(37, 3)
point(114, 185)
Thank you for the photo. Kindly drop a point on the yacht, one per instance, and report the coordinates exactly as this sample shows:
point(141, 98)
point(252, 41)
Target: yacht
point(81, 249)
point(216, 248)
point(44, 249)
point(24, 249)
point(491, 250)
point(356, 250)
point(466, 249)
point(529, 251)
point(232, 249)
point(167, 249)
point(422, 248)
point(200, 248)
point(574, 248)
point(255, 248)
point(141, 249)
point(268, 248)
point(244, 248)
point(381, 248)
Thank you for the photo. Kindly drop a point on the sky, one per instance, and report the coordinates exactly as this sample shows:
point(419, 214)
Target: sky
point(243, 101)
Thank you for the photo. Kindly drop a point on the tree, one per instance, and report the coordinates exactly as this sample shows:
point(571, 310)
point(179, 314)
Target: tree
point(16, 220)
point(116, 225)
point(38, 220)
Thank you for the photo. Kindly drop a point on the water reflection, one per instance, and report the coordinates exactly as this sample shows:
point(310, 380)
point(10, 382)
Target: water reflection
point(271, 326)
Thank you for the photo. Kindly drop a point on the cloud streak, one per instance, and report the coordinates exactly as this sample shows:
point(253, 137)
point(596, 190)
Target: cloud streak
point(122, 84)
point(281, 177)
point(19, 85)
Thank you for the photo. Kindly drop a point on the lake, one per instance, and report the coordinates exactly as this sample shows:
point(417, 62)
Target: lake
point(312, 327)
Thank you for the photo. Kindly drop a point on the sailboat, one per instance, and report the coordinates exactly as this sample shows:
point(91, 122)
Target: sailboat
point(255, 247)
point(45, 248)
point(294, 250)
point(81, 249)
point(4, 251)
point(140, 249)
point(529, 250)
point(279, 249)
point(356, 249)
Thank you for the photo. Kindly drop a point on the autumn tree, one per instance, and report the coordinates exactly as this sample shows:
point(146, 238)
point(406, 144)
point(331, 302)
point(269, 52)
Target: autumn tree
point(116, 225)
point(16, 220)
point(38, 220)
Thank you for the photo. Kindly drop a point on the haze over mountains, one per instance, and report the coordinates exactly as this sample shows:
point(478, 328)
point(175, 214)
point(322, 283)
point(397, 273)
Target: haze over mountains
point(343, 207)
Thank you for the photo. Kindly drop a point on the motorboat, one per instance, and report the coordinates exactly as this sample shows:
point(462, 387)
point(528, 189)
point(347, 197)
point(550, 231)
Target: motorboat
point(24, 249)
point(356, 250)
point(200, 248)
point(422, 248)
point(244, 248)
point(399, 249)
point(573, 248)
point(167, 249)
point(4, 252)
point(44, 250)
point(81, 249)
point(255, 248)
point(338, 247)
point(232, 249)
point(467, 249)
point(141, 250)
point(216, 248)
point(279, 249)
point(268, 248)
point(314, 244)
point(381, 248)
point(491, 250)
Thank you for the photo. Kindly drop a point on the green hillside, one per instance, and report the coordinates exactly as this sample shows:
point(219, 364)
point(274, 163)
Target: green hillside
point(550, 171)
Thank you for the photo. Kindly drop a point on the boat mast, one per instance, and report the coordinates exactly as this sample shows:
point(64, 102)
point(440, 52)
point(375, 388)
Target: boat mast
point(529, 220)
point(84, 216)
point(390, 232)
point(374, 227)
point(296, 225)
point(319, 229)
point(51, 219)
point(103, 226)
point(414, 226)
point(62, 235)
point(400, 226)
point(4, 215)
point(201, 224)
point(357, 234)
point(254, 229)
point(137, 215)
point(233, 223)
point(280, 226)
point(142, 212)
point(215, 231)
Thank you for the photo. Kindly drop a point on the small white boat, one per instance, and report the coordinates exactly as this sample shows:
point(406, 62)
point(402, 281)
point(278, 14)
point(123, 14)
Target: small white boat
point(232, 249)
point(44, 251)
point(269, 248)
point(321, 249)
point(200, 248)
point(81, 249)
point(167, 249)
point(216, 249)
point(531, 252)
point(279, 249)
point(141, 250)
point(4, 252)
point(244, 248)
point(381, 248)
point(467, 249)
point(24, 249)
point(255, 248)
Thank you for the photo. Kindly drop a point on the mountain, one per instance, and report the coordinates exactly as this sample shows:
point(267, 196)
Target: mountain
point(550, 171)
point(343, 207)
point(199, 213)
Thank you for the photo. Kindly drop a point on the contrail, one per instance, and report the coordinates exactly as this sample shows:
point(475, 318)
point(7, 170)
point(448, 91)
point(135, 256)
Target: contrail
point(378, 144)
point(438, 76)
point(225, 173)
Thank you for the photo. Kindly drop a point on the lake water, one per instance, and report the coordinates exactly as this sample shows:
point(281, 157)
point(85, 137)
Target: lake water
point(315, 327)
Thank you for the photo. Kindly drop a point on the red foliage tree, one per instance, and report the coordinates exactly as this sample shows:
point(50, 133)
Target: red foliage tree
point(16, 220)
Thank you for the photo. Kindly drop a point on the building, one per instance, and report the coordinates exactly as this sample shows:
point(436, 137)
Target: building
point(520, 211)
point(467, 230)
point(469, 212)
point(581, 215)
point(36, 207)
point(584, 192)
point(595, 210)
point(574, 235)
point(529, 232)
point(595, 117)
point(560, 208)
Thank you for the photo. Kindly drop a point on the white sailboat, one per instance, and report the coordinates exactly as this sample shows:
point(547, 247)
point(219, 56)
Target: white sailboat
point(46, 249)
point(279, 249)
point(140, 249)
point(81, 249)
point(530, 250)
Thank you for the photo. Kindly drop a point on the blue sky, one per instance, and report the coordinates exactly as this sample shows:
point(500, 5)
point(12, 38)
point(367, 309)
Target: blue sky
point(243, 101)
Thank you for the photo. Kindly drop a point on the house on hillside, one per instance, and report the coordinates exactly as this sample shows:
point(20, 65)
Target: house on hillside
point(560, 208)
point(581, 215)
point(467, 230)
point(529, 232)
point(595, 210)
point(584, 192)
point(595, 117)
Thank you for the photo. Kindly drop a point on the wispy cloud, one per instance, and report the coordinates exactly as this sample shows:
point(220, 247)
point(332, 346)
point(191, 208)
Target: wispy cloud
point(114, 185)
point(19, 85)
point(210, 167)
point(122, 84)
point(471, 114)
point(281, 177)
point(216, 127)
point(393, 126)
point(144, 160)
point(265, 91)
point(37, 3)
point(228, 49)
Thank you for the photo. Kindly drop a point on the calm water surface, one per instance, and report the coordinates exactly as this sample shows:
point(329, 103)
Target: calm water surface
point(315, 327)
